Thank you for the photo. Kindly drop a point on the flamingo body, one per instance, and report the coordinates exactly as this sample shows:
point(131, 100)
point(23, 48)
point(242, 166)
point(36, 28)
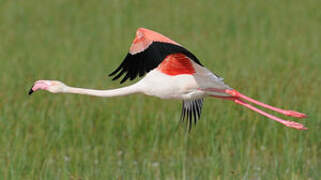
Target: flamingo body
point(164, 86)
point(170, 72)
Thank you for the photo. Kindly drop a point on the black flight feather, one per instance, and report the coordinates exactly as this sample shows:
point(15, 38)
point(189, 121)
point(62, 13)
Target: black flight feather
point(141, 63)
point(191, 109)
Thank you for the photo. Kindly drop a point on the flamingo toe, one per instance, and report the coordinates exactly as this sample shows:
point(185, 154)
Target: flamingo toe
point(295, 114)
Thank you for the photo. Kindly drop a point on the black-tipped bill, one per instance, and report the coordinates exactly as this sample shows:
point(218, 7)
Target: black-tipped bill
point(30, 91)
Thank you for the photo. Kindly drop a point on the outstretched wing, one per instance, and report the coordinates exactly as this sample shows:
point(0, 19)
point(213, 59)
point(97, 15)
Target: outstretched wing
point(141, 63)
point(191, 110)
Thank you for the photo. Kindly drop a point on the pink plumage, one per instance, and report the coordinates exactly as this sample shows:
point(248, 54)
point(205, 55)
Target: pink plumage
point(170, 72)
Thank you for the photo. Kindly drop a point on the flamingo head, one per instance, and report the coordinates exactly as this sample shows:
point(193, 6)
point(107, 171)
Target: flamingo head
point(48, 85)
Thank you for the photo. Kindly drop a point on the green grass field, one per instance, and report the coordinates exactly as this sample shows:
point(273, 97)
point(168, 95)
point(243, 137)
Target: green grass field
point(268, 50)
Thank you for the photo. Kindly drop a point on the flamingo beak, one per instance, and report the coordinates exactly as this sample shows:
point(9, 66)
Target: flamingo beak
point(41, 84)
point(30, 91)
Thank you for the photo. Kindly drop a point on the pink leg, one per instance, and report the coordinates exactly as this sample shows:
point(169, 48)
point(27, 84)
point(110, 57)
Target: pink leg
point(286, 123)
point(235, 93)
point(235, 96)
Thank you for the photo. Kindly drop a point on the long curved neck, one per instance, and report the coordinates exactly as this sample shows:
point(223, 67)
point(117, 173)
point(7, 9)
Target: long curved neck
point(132, 89)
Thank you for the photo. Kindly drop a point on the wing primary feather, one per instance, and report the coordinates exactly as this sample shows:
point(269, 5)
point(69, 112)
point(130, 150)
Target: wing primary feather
point(183, 113)
point(119, 75)
point(197, 106)
point(114, 72)
point(133, 72)
point(194, 112)
point(190, 119)
point(141, 63)
point(200, 104)
point(125, 78)
point(141, 67)
point(120, 66)
point(191, 111)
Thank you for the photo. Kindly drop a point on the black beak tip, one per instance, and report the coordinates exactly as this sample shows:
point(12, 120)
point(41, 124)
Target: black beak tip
point(30, 91)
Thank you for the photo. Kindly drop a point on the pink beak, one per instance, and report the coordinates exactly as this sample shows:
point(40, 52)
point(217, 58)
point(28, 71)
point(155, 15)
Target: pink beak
point(38, 85)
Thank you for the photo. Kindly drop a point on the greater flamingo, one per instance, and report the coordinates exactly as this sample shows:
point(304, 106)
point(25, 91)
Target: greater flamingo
point(171, 72)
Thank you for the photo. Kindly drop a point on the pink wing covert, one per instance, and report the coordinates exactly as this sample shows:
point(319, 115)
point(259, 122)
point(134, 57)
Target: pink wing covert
point(145, 37)
point(148, 52)
point(176, 64)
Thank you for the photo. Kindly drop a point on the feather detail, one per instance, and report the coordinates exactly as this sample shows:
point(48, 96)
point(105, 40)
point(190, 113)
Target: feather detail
point(141, 63)
point(176, 64)
point(192, 110)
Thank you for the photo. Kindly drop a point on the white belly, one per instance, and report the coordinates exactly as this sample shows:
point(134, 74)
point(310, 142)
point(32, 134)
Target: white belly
point(165, 86)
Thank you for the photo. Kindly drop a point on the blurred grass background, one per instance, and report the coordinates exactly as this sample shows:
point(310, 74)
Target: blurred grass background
point(269, 50)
